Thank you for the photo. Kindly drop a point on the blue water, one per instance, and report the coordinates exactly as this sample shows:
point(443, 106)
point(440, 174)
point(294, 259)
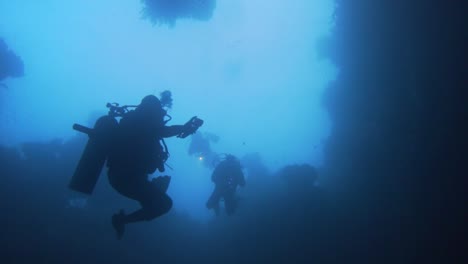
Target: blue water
point(251, 70)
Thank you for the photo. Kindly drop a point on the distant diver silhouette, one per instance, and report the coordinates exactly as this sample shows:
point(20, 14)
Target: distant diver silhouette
point(227, 175)
point(134, 147)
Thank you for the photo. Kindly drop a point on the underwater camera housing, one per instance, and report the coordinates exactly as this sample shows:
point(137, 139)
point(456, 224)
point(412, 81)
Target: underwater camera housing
point(191, 127)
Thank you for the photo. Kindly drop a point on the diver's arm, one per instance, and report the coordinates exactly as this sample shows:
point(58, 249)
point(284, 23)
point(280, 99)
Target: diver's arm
point(171, 131)
point(215, 175)
point(182, 131)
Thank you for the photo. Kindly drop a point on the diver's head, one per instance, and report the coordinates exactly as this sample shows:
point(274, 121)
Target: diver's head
point(150, 101)
point(151, 106)
point(230, 157)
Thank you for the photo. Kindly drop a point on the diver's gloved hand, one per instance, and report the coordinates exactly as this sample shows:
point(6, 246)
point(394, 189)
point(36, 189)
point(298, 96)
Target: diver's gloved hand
point(191, 127)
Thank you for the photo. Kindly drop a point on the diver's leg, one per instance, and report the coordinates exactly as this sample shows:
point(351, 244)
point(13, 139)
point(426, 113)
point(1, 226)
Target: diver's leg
point(151, 195)
point(155, 202)
point(213, 201)
point(159, 205)
point(216, 208)
point(230, 202)
point(137, 216)
point(119, 180)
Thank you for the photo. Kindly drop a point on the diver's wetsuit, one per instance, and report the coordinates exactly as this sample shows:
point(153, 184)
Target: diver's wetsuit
point(226, 176)
point(137, 154)
point(130, 162)
point(151, 195)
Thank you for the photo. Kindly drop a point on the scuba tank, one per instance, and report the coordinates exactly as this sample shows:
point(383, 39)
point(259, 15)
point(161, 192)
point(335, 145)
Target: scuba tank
point(94, 155)
point(96, 152)
point(97, 148)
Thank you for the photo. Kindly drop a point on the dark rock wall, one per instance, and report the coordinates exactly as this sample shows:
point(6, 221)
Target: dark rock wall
point(398, 106)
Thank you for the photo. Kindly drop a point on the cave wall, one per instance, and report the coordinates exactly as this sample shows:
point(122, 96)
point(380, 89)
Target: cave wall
point(398, 145)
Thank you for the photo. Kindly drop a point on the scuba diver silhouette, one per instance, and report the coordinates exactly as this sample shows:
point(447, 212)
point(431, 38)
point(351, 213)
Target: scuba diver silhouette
point(227, 175)
point(134, 148)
